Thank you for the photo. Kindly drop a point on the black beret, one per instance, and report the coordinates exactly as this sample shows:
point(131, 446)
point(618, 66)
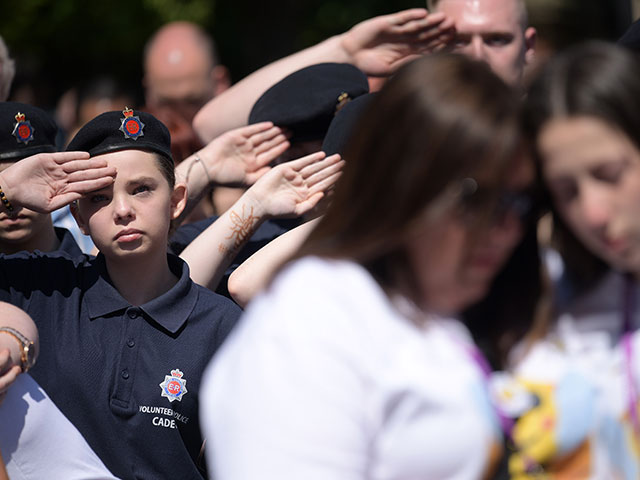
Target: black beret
point(631, 38)
point(123, 130)
point(342, 125)
point(306, 101)
point(24, 131)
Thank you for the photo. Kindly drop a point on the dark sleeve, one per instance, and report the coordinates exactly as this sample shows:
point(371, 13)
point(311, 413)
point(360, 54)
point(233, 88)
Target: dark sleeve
point(187, 233)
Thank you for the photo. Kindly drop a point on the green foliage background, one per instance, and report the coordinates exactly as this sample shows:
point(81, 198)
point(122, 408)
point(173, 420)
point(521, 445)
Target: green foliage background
point(59, 43)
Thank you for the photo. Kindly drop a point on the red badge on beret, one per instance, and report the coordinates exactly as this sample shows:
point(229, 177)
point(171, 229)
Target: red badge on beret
point(131, 125)
point(22, 130)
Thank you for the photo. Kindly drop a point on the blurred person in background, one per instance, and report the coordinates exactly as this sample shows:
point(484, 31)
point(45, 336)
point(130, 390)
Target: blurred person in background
point(181, 74)
point(359, 360)
point(7, 71)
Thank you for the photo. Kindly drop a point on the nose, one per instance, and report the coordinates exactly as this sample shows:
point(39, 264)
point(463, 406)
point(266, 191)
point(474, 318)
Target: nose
point(477, 49)
point(122, 208)
point(595, 207)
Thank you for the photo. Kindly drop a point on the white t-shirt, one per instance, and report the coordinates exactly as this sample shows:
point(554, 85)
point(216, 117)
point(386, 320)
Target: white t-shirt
point(325, 379)
point(579, 374)
point(37, 441)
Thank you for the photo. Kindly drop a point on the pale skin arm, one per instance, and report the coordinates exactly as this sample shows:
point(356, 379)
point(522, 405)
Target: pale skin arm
point(14, 317)
point(255, 272)
point(377, 46)
point(288, 190)
point(237, 158)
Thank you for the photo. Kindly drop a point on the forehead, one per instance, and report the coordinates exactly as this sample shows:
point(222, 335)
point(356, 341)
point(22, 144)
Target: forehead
point(568, 144)
point(130, 163)
point(483, 15)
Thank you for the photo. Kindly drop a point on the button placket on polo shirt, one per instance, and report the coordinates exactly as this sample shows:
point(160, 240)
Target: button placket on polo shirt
point(133, 319)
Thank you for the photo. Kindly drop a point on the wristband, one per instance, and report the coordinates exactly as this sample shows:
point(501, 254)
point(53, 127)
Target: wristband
point(5, 201)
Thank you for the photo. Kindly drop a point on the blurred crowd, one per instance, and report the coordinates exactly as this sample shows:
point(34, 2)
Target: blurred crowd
point(410, 251)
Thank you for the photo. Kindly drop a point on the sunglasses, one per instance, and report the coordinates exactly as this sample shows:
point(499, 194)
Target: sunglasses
point(476, 202)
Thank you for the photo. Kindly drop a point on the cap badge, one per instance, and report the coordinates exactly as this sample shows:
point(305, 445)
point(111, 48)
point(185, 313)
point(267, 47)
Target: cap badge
point(131, 125)
point(174, 386)
point(343, 99)
point(22, 130)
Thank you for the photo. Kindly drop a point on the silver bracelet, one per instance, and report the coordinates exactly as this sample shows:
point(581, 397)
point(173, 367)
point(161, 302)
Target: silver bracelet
point(196, 158)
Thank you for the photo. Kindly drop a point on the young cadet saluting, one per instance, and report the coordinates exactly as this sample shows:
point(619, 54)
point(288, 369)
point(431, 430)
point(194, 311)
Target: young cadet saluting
point(126, 335)
point(26, 130)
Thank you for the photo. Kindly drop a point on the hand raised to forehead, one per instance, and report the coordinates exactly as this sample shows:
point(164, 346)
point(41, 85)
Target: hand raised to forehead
point(48, 181)
point(380, 45)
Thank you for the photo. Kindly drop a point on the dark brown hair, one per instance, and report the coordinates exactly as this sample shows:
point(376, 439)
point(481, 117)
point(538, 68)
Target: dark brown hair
point(439, 120)
point(595, 79)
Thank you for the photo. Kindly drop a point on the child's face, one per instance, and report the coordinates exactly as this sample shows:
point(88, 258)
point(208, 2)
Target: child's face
point(131, 217)
point(593, 172)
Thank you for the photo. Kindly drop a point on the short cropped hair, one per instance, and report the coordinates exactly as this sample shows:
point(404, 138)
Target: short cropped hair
point(7, 71)
point(524, 17)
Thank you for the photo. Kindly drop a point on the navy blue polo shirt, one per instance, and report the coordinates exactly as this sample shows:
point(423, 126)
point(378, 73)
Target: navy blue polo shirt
point(127, 377)
point(68, 244)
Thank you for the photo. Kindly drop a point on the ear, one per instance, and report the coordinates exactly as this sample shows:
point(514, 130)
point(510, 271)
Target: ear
point(220, 78)
point(530, 36)
point(178, 200)
point(82, 224)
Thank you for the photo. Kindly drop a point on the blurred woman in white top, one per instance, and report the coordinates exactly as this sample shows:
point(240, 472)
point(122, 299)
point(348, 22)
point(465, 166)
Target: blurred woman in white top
point(359, 360)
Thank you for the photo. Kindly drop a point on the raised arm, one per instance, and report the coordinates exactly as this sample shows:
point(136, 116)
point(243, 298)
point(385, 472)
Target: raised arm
point(48, 181)
point(256, 271)
point(288, 190)
point(237, 158)
point(377, 46)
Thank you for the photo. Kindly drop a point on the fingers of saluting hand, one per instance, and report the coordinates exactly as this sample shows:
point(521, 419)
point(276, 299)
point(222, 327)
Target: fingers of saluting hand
point(326, 177)
point(271, 149)
point(64, 157)
point(255, 129)
point(321, 168)
point(404, 18)
point(302, 162)
point(106, 174)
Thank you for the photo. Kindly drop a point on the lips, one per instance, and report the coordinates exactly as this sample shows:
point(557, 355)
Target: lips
point(616, 245)
point(17, 218)
point(128, 235)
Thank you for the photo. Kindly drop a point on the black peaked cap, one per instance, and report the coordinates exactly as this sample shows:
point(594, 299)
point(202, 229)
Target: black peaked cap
point(123, 130)
point(306, 101)
point(341, 128)
point(24, 131)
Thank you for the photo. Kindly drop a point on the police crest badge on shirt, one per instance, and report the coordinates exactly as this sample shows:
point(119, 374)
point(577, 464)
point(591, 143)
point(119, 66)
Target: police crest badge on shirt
point(174, 386)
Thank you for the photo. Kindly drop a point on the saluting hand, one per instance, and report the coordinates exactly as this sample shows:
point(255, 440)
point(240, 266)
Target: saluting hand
point(380, 45)
point(293, 188)
point(48, 181)
point(240, 156)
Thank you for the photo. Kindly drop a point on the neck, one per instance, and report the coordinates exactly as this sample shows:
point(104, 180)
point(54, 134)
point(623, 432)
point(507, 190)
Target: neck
point(141, 280)
point(44, 240)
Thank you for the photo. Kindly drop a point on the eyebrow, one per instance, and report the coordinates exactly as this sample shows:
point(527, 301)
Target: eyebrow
point(139, 180)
